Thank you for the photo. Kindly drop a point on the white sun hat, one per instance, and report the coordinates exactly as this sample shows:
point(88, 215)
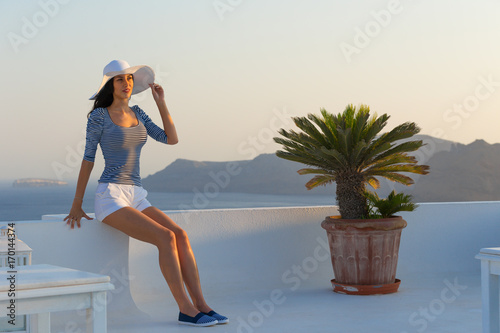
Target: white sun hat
point(143, 75)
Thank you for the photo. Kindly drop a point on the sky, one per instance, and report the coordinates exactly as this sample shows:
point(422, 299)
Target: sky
point(235, 71)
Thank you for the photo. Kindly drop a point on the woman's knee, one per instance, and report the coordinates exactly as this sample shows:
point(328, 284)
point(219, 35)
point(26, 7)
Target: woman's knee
point(166, 237)
point(181, 235)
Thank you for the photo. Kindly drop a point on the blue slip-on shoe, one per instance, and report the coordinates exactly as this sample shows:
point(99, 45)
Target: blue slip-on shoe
point(200, 319)
point(220, 318)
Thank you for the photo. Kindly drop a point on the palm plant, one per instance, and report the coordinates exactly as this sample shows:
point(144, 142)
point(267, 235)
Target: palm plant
point(348, 149)
point(383, 208)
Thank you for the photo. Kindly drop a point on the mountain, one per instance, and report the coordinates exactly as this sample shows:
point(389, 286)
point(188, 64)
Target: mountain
point(266, 174)
point(467, 173)
point(457, 173)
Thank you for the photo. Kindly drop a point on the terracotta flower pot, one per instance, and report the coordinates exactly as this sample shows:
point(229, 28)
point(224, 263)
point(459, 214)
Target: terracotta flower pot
point(364, 252)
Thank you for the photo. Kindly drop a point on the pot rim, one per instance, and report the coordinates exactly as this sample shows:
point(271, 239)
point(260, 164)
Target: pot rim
point(389, 223)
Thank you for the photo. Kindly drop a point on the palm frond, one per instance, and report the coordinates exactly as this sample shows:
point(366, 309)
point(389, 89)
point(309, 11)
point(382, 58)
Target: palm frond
point(314, 137)
point(396, 177)
point(339, 161)
point(373, 182)
point(409, 168)
point(319, 180)
point(404, 147)
point(393, 204)
point(375, 125)
point(330, 135)
point(400, 132)
point(307, 171)
point(390, 160)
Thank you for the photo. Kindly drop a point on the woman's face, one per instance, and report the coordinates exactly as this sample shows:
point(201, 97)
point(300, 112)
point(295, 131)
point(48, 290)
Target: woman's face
point(122, 86)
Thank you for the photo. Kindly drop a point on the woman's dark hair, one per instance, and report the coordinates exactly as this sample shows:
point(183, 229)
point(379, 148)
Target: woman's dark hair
point(104, 98)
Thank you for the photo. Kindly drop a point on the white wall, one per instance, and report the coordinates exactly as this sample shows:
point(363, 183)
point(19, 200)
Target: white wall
point(445, 237)
point(264, 248)
point(95, 247)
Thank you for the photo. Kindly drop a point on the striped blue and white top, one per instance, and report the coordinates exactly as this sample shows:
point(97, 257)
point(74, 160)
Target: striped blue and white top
point(121, 146)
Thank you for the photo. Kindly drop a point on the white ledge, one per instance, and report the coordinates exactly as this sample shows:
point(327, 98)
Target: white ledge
point(268, 269)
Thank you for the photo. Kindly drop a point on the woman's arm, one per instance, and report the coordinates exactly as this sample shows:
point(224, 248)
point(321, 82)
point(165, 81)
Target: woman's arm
point(76, 213)
point(168, 123)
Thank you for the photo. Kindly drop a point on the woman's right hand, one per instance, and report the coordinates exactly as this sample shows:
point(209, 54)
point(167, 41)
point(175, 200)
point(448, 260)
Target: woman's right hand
point(75, 215)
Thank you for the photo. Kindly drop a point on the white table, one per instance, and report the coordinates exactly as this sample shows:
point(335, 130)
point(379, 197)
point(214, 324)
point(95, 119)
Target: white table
point(490, 270)
point(42, 289)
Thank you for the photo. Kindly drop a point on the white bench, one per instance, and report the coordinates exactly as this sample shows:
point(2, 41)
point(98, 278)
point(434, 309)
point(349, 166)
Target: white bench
point(490, 270)
point(42, 289)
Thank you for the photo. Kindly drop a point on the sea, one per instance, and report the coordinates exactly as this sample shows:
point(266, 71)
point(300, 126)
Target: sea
point(30, 203)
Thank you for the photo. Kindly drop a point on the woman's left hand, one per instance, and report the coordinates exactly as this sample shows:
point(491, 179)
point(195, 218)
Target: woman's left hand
point(158, 93)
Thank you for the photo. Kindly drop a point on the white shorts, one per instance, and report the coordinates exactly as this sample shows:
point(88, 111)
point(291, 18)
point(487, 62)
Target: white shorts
point(110, 197)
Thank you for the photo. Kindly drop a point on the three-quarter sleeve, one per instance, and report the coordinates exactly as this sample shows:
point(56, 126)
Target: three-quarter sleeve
point(94, 132)
point(153, 130)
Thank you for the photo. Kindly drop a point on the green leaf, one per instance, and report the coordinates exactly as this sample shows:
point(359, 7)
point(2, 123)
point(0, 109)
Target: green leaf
point(389, 206)
point(319, 180)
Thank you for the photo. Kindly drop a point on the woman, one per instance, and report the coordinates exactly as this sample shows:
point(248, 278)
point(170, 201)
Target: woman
point(120, 199)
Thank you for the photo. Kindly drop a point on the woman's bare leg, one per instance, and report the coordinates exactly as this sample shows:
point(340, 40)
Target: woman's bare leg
point(137, 225)
point(186, 257)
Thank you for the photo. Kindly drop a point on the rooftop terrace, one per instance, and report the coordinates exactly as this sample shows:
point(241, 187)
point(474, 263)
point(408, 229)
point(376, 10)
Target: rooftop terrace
point(269, 270)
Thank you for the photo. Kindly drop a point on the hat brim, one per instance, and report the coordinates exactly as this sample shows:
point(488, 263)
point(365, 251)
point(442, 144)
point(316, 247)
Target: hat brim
point(143, 77)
